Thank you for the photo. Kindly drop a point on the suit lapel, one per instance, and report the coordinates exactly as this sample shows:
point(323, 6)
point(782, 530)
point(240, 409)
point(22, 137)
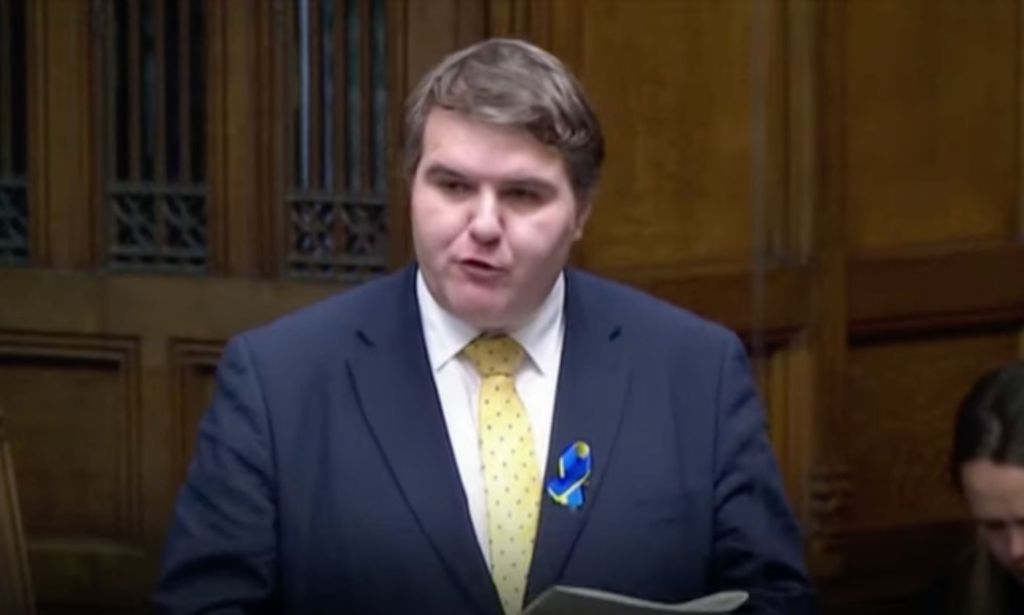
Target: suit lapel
point(592, 385)
point(397, 394)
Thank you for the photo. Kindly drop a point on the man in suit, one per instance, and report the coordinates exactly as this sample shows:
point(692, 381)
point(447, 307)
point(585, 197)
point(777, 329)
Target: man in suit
point(485, 423)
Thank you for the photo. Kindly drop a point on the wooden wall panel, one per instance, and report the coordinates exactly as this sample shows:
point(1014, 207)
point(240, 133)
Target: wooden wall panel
point(938, 288)
point(435, 28)
point(678, 185)
point(932, 121)
point(902, 394)
point(73, 407)
point(782, 367)
point(194, 368)
point(918, 257)
point(73, 415)
point(144, 350)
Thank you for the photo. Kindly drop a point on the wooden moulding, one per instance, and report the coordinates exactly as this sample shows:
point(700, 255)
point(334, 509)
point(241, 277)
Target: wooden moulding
point(15, 580)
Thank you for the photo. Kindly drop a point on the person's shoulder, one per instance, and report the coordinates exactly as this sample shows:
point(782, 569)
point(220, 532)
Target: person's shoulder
point(645, 314)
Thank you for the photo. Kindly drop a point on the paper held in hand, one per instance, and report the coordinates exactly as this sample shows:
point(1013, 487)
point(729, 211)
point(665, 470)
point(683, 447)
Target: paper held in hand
point(564, 600)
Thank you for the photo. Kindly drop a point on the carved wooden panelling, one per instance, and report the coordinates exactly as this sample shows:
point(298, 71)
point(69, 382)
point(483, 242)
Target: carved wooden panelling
point(73, 411)
point(194, 365)
point(902, 395)
point(931, 120)
point(781, 370)
point(769, 366)
point(676, 91)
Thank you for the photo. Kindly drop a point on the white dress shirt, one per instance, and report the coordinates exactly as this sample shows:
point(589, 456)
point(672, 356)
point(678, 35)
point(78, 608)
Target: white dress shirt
point(458, 386)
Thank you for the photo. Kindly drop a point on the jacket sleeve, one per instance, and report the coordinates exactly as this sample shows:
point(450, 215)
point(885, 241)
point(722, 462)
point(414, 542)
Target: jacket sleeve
point(220, 553)
point(756, 543)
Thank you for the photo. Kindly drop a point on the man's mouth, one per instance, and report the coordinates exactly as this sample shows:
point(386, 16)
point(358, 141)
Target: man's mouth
point(478, 263)
point(478, 268)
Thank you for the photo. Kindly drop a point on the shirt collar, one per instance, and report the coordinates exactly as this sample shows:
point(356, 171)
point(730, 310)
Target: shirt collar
point(446, 335)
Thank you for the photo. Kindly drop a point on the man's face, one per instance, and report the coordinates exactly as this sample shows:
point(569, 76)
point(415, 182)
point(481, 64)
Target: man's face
point(995, 494)
point(493, 219)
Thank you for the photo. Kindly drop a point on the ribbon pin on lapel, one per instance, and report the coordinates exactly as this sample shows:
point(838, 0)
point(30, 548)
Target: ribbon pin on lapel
point(573, 472)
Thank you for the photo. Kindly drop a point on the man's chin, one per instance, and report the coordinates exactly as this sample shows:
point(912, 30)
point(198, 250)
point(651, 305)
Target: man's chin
point(488, 317)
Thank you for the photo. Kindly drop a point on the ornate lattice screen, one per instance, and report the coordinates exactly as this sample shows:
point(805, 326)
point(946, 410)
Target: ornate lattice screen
point(336, 69)
point(14, 225)
point(153, 135)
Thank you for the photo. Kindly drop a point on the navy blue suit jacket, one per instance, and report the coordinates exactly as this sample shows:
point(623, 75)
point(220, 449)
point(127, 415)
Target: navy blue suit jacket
point(323, 479)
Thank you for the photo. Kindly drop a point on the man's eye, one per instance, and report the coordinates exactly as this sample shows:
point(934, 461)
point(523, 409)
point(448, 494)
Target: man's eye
point(452, 186)
point(522, 195)
point(993, 527)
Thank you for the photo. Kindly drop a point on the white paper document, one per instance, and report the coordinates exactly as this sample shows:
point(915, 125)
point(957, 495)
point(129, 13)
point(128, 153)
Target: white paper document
point(565, 600)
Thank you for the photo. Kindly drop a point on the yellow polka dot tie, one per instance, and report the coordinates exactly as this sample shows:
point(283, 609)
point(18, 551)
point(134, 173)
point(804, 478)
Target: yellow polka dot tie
point(509, 465)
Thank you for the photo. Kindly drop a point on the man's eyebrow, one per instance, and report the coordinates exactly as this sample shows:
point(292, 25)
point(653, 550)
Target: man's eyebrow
point(529, 183)
point(436, 170)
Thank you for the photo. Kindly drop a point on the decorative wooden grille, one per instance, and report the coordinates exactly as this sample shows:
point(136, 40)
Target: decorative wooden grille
point(336, 68)
point(153, 137)
point(14, 224)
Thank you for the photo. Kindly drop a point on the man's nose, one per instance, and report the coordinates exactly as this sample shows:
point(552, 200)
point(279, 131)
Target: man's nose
point(485, 225)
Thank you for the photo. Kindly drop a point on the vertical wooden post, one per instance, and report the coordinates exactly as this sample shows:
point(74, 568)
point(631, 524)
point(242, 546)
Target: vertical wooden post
point(239, 201)
point(830, 482)
point(62, 157)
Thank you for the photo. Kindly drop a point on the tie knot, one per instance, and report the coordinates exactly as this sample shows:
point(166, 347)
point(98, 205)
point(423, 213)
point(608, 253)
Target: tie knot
point(496, 355)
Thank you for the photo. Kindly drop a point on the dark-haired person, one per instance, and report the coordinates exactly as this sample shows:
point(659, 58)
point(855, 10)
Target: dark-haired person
point(484, 423)
point(987, 465)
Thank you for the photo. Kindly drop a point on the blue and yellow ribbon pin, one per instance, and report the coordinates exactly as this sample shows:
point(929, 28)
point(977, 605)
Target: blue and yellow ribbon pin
point(573, 472)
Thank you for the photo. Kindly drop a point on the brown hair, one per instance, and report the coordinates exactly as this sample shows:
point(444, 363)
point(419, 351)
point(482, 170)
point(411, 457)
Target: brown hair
point(513, 83)
point(990, 423)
